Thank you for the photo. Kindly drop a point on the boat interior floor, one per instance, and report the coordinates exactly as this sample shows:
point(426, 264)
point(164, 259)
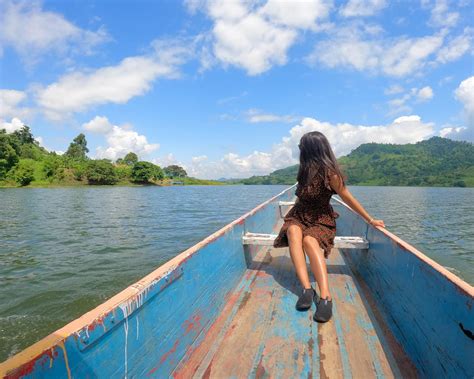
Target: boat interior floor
point(259, 333)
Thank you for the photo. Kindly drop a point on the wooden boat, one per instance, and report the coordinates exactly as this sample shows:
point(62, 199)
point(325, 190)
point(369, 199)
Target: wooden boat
point(225, 308)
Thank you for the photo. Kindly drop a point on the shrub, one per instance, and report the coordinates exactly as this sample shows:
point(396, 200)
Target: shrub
point(144, 172)
point(123, 171)
point(101, 172)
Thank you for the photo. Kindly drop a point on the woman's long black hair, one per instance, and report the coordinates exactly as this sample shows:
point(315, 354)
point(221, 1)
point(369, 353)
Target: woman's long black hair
point(317, 158)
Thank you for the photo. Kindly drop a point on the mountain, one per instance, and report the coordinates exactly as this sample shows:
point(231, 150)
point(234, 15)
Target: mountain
point(433, 162)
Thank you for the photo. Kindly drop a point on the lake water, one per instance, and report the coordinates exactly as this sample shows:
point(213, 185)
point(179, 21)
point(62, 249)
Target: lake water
point(63, 251)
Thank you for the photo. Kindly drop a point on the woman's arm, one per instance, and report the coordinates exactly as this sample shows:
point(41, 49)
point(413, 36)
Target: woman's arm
point(346, 196)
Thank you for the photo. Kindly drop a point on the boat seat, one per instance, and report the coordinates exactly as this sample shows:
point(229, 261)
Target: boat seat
point(339, 242)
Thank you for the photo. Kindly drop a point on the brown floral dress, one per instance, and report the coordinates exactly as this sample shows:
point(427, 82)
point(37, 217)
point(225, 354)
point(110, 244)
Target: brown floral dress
point(313, 213)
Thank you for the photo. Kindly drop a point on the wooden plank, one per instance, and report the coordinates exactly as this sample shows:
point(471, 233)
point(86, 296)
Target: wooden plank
point(286, 347)
point(234, 356)
point(340, 242)
point(367, 355)
point(199, 356)
point(267, 337)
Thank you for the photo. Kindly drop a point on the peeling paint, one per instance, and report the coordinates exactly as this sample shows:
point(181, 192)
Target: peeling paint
point(66, 359)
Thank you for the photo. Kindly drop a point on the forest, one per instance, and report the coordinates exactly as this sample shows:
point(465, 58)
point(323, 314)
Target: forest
point(24, 162)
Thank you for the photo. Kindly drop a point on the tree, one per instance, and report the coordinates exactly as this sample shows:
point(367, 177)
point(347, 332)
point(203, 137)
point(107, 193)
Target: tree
point(130, 159)
point(8, 154)
point(78, 148)
point(144, 172)
point(24, 135)
point(100, 172)
point(175, 171)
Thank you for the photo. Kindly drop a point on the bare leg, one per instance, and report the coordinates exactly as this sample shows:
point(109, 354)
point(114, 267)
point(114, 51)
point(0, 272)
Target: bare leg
point(295, 242)
point(318, 264)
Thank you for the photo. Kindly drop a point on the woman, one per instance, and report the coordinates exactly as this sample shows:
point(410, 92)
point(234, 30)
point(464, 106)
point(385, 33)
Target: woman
point(310, 226)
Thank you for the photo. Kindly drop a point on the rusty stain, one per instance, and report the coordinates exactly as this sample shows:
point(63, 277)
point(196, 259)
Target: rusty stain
point(261, 372)
point(244, 300)
point(310, 352)
point(274, 312)
point(322, 357)
point(169, 352)
point(207, 373)
point(194, 324)
point(164, 357)
point(22, 371)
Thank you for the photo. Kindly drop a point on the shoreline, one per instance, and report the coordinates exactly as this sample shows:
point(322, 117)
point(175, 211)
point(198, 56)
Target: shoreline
point(71, 184)
point(130, 184)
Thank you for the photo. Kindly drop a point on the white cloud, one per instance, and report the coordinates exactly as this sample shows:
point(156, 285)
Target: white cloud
point(120, 139)
point(425, 93)
point(257, 36)
point(441, 16)
point(457, 133)
point(9, 104)
point(10, 127)
point(166, 160)
point(343, 138)
point(400, 105)
point(257, 116)
point(456, 47)
point(31, 31)
point(99, 124)
point(133, 76)
point(394, 89)
point(355, 8)
point(297, 14)
point(352, 47)
point(465, 94)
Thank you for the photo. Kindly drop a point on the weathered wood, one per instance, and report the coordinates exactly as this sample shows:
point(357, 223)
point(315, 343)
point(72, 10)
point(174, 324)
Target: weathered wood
point(263, 335)
point(339, 242)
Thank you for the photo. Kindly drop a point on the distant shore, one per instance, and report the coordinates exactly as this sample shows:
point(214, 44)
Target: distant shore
point(194, 182)
point(83, 183)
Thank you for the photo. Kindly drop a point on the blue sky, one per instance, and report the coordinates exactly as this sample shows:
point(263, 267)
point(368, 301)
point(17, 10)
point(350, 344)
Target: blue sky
point(227, 88)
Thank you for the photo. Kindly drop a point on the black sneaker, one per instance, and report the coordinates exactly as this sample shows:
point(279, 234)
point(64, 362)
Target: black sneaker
point(323, 310)
point(306, 298)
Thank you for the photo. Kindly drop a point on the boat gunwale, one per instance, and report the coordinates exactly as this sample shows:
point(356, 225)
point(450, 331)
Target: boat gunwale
point(37, 349)
point(456, 280)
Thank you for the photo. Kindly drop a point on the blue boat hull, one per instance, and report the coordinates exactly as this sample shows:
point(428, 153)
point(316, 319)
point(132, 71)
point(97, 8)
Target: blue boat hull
point(153, 327)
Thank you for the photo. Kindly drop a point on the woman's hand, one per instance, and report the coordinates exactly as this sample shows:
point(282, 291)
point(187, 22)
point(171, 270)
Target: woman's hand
point(377, 223)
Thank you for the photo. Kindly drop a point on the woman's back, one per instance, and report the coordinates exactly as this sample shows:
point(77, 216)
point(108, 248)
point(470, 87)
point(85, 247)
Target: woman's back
point(317, 191)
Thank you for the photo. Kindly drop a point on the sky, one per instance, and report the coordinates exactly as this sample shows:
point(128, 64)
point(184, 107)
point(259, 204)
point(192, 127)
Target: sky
point(227, 88)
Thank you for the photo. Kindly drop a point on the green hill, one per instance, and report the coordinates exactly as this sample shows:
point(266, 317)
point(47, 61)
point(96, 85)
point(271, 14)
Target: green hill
point(434, 162)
